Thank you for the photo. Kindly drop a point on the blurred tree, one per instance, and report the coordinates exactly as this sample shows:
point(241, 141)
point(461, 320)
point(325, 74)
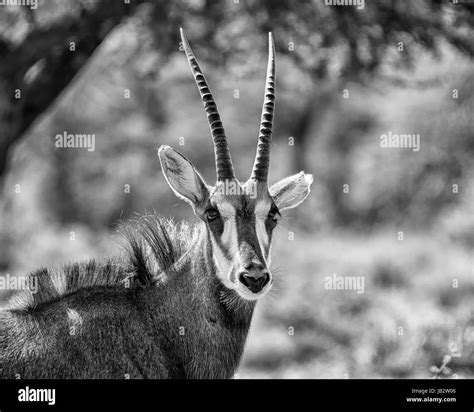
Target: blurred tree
point(329, 45)
point(341, 42)
point(53, 46)
point(346, 45)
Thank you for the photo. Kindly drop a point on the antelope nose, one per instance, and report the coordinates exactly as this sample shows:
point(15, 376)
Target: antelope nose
point(254, 282)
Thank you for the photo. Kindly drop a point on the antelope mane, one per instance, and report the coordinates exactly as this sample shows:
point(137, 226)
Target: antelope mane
point(151, 244)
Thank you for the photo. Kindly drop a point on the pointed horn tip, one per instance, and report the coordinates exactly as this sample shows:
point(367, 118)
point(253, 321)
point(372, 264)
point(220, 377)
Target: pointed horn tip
point(184, 39)
point(271, 43)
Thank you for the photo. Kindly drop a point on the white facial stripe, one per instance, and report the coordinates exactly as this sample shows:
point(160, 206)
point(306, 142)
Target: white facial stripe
point(229, 234)
point(262, 208)
point(222, 264)
point(262, 239)
point(226, 210)
point(228, 240)
point(261, 211)
point(233, 242)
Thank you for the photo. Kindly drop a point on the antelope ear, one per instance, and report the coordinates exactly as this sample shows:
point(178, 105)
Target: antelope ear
point(291, 191)
point(182, 177)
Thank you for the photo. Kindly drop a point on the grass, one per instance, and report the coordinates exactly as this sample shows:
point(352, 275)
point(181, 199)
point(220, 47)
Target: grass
point(400, 326)
point(414, 313)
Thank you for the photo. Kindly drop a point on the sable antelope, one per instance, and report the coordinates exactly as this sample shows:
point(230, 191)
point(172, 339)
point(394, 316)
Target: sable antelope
point(179, 303)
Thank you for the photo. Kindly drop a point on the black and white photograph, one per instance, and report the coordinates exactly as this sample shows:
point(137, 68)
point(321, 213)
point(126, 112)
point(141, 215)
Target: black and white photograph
point(237, 199)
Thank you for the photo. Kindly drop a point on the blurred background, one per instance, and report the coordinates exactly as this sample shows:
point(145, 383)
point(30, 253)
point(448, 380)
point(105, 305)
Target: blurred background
point(402, 220)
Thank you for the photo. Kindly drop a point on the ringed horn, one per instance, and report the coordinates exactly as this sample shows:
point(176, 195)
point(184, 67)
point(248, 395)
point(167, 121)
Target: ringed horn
point(224, 166)
point(262, 158)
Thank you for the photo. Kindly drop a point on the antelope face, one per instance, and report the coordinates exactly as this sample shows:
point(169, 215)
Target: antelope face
point(240, 226)
point(240, 218)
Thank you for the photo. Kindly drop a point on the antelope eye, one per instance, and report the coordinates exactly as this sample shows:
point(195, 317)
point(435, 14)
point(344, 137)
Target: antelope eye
point(272, 215)
point(212, 214)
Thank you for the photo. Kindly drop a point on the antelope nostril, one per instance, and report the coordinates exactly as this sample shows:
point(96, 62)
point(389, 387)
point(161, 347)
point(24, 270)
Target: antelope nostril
point(254, 266)
point(255, 284)
point(243, 278)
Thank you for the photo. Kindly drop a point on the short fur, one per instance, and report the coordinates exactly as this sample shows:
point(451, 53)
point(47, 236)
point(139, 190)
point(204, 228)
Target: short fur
point(179, 303)
point(151, 314)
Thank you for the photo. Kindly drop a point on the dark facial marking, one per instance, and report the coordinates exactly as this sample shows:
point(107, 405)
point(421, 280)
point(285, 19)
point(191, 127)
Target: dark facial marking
point(270, 224)
point(247, 237)
point(216, 227)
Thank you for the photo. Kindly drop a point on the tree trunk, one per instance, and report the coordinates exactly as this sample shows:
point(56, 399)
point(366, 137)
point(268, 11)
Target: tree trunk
point(35, 72)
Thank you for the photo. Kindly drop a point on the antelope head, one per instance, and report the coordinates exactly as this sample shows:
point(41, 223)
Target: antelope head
point(239, 217)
